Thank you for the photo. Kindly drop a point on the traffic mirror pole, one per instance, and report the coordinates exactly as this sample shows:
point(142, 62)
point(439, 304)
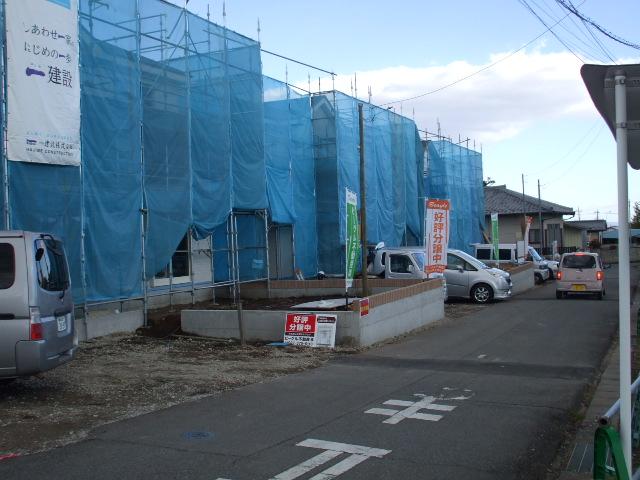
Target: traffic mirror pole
point(624, 297)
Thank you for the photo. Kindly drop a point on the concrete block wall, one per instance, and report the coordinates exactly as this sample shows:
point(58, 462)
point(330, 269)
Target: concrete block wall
point(330, 287)
point(522, 278)
point(105, 322)
point(391, 314)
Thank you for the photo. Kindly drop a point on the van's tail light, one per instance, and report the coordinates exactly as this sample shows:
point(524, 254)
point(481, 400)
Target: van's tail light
point(35, 326)
point(599, 275)
point(559, 275)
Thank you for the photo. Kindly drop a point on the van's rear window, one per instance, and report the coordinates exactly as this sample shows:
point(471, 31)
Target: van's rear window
point(579, 261)
point(7, 266)
point(51, 265)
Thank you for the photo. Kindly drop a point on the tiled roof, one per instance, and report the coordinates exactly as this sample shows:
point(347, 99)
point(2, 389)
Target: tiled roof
point(589, 225)
point(500, 199)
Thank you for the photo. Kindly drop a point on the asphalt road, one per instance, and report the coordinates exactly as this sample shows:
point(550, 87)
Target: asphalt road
point(487, 396)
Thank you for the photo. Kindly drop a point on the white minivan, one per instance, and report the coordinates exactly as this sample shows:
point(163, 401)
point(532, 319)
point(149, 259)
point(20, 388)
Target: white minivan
point(37, 331)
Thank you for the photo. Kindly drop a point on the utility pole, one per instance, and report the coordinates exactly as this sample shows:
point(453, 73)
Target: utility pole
point(523, 203)
point(363, 207)
point(540, 217)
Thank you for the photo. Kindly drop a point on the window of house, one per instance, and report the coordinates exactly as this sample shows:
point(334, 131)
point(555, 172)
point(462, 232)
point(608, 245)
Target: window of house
point(534, 235)
point(180, 269)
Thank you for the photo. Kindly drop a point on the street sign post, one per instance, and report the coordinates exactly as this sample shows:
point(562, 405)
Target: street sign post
point(615, 91)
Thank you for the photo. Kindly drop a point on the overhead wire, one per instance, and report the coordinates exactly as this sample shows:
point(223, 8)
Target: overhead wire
point(561, 175)
point(502, 59)
point(576, 145)
point(584, 45)
point(569, 6)
point(550, 29)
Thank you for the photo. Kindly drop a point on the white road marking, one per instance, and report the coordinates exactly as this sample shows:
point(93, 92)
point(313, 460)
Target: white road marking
point(339, 468)
point(304, 467)
point(344, 447)
point(413, 409)
point(482, 356)
point(357, 455)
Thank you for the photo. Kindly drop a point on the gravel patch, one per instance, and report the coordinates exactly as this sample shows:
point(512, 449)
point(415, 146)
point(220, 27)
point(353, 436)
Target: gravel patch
point(123, 376)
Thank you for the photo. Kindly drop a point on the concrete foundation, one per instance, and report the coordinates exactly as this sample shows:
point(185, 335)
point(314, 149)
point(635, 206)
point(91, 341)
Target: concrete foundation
point(105, 322)
point(391, 313)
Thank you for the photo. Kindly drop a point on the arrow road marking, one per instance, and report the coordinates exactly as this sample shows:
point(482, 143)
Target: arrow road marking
point(412, 409)
point(357, 455)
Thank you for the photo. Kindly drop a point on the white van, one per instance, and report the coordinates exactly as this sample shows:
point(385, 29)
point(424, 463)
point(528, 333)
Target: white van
point(401, 263)
point(508, 253)
point(37, 330)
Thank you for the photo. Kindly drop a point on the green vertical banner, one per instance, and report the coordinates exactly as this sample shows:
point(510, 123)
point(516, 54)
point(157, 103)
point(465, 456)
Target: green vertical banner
point(495, 236)
point(352, 238)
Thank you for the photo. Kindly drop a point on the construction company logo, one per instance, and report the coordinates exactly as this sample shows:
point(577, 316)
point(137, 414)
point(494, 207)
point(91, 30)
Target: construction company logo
point(438, 204)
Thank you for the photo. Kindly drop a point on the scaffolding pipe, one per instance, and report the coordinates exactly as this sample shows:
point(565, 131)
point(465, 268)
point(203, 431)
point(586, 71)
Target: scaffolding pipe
point(83, 252)
point(189, 153)
point(265, 216)
point(143, 209)
point(363, 207)
point(5, 117)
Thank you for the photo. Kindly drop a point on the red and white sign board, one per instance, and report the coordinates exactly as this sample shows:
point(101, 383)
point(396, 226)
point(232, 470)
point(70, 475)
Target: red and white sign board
point(436, 235)
point(311, 329)
point(364, 307)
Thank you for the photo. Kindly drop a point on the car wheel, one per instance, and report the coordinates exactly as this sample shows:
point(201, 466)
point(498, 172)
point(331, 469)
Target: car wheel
point(538, 279)
point(558, 295)
point(481, 293)
point(599, 295)
point(551, 274)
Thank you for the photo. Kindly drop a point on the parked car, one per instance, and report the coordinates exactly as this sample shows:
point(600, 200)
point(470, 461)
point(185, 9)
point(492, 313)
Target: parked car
point(540, 262)
point(580, 273)
point(540, 275)
point(508, 253)
point(468, 277)
point(37, 330)
point(401, 262)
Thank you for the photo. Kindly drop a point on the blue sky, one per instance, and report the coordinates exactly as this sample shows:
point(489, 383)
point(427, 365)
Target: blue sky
point(529, 113)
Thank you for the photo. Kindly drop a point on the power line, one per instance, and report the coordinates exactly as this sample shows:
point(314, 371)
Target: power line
point(535, 14)
point(584, 45)
point(561, 175)
point(572, 9)
point(576, 145)
point(481, 70)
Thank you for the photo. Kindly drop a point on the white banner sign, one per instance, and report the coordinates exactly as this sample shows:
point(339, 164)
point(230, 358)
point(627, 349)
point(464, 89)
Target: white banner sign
point(436, 237)
point(43, 81)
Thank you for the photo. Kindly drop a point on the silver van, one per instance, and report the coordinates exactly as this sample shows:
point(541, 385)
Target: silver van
point(37, 331)
point(468, 277)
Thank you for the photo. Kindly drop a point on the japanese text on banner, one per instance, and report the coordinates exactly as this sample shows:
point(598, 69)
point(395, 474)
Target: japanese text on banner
point(436, 235)
point(43, 85)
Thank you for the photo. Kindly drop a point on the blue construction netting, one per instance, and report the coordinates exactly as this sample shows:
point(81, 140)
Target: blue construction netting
point(182, 135)
point(455, 173)
point(393, 163)
point(172, 141)
point(290, 169)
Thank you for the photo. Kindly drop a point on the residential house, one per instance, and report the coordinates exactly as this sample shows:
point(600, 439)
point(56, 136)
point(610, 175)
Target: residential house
point(592, 230)
point(512, 207)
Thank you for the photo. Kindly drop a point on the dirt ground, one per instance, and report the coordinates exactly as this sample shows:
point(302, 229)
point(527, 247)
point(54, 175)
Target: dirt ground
point(123, 376)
